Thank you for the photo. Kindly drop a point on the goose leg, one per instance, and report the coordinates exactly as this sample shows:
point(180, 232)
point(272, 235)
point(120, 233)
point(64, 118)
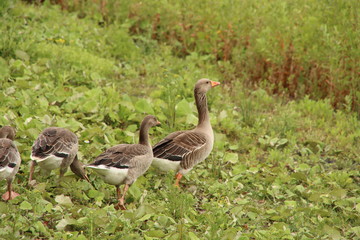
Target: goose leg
point(9, 195)
point(178, 177)
point(118, 192)
point(62, 172)
point(121, 204)
point(32, 168)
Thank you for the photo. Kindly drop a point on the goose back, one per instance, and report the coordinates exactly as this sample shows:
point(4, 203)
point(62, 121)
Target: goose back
point(9, 155)
point(123, 163)
point(53, 146)
point(9, 159)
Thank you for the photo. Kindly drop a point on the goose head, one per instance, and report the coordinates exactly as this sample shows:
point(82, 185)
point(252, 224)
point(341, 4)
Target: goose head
point(7, 132)
point(203, 85)
point(150, 121)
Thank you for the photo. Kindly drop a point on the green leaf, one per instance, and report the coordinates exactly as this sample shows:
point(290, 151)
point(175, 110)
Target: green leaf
point(299, 176)
point(191, 119)
point(4, 71)
point(93, 193)
point(356, 230)
point(25, 205)
point(144, 106)
point(3, 207)
point(63, 200)
point(263, 141)
point(39, 226)
point(333, 233)
point(155, 233)
point(222, 115)
point(183, 108)
point(22, 55)
point(95, 76)
point(357, 207)
point(64, 222)
point(303, 167)
point(338, 193)
point(291, 204)
point(49, 207)
point(192, 236)
point(273, 141)
point(231, 157)
point(145, 217)
point(282, 141)
point(242, 201)
point(234, 147)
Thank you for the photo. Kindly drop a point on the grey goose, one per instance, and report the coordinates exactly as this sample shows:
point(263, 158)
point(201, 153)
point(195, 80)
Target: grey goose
point(124, 163)
point(56, 148)
point(9, 160)
point(182, 150)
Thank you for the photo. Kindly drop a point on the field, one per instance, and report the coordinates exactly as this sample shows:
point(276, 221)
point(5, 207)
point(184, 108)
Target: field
point(285, 163)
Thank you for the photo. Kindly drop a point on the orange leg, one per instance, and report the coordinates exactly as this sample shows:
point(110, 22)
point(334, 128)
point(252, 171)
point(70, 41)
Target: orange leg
point(9, 195)
point(121, 204)
point(178, 177)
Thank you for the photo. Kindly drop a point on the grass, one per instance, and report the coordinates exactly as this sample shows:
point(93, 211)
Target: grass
point(281, 168)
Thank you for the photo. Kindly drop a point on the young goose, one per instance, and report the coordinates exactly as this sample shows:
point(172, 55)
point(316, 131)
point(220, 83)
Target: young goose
point(124, 163)
point(182, 150)
point(9, 160)
point(56, 148)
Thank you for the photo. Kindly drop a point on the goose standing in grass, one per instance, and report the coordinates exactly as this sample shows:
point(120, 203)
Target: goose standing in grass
point(56, 148)
point(9, 160)
point(182, 150)
point(124, 163)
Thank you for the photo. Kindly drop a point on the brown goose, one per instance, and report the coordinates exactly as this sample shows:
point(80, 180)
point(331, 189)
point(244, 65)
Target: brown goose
point(56, 148)
point(124, 163)
point(182, 150)
point(9, 160)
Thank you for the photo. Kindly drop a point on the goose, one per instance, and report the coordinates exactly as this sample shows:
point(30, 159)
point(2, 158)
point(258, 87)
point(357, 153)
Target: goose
point(9, 160)
point(124, 163)
point(56, 148)
point(180, 151)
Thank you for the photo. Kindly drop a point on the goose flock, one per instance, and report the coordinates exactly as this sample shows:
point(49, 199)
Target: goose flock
point(121, 164)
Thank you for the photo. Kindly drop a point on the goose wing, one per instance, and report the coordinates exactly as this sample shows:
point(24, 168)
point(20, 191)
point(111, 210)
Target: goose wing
point(177, 145)
point(58, 142)
point(9, 155)
point(120, 156)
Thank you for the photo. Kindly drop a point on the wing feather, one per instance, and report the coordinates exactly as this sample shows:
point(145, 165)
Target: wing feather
point(54, 141)
point(178, 144)
point(9, 155)
point(120, 156)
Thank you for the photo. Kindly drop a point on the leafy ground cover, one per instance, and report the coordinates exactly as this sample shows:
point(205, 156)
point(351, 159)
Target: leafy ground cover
point(280, 169)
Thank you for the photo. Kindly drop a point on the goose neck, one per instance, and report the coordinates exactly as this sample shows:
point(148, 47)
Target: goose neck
point(144, 134)
point(202, 107)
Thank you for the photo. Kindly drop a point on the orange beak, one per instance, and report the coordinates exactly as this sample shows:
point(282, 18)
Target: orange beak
point(158, 123)
point(213, 83)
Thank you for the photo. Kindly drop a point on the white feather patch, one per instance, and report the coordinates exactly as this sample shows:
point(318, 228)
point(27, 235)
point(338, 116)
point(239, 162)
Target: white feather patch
point(49, 163)
point(5, 172)
point(166, 165)
point(111, 175)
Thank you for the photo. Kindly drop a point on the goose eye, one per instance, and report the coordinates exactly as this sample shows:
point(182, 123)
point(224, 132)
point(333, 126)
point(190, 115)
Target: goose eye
point(208, 82)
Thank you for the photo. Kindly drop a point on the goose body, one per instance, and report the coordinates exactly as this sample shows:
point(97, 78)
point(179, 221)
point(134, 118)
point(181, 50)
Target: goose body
point(111, 175)
point(56, 148)
point(124, 163)
point(49, 163)
point(9, 160)
point(182, 150)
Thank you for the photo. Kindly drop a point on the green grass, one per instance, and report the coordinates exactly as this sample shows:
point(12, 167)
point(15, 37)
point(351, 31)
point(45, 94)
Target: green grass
point(280, 169)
